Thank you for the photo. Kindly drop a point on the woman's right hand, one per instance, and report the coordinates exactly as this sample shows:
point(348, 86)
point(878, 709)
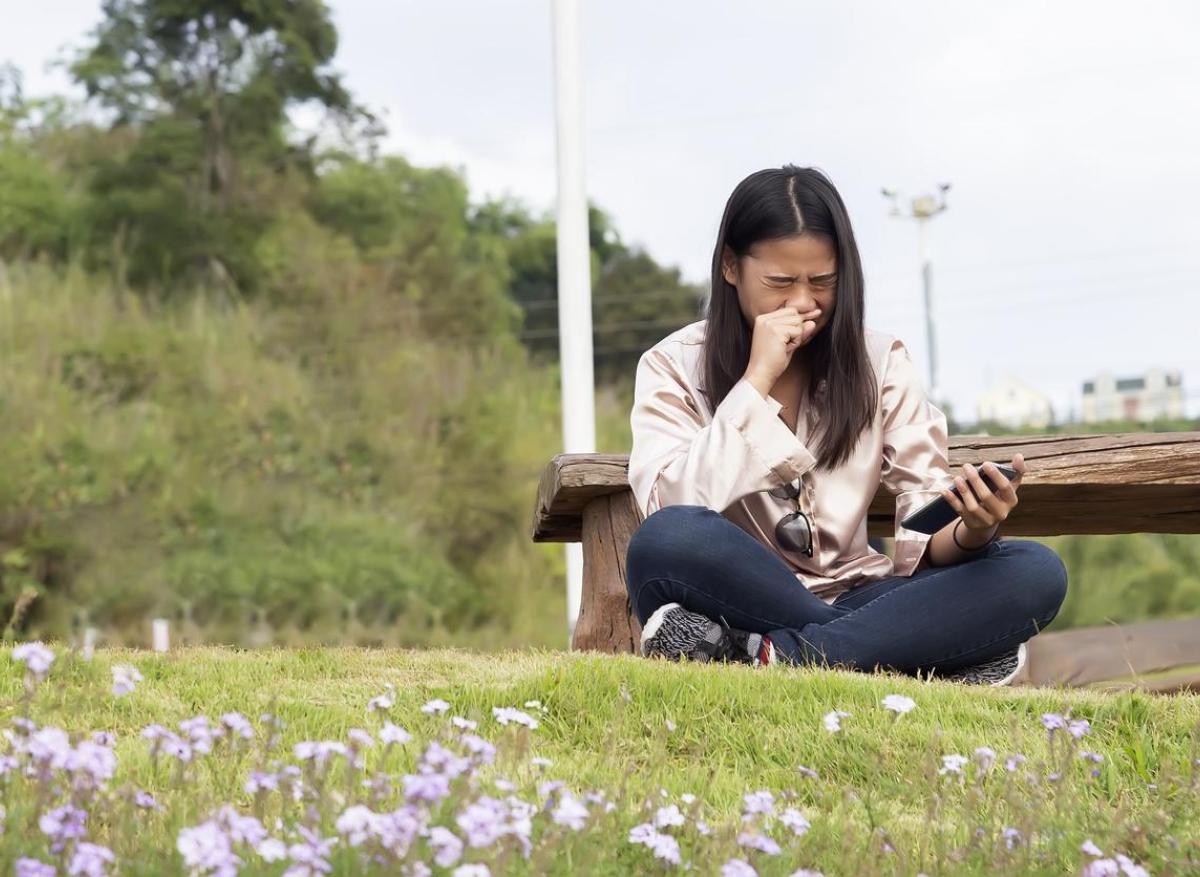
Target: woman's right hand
point(777, 335)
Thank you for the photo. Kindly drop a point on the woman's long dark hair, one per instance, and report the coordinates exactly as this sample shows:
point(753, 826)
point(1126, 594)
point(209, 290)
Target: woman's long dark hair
point(779, 203)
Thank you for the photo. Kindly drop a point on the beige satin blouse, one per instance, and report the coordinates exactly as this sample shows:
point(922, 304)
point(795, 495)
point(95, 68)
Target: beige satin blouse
point(729, 462)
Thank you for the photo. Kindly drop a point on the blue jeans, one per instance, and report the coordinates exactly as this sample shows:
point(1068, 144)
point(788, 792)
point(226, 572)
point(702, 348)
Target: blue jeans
point(942, 618)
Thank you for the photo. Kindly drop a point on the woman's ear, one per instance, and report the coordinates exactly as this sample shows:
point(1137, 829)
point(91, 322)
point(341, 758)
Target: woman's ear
point(729, 266)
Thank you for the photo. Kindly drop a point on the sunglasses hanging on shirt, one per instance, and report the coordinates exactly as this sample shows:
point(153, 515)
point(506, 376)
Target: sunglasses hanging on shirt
point(794, 531)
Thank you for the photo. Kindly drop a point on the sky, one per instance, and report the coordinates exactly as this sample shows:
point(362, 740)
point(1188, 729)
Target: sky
point(1069, 132)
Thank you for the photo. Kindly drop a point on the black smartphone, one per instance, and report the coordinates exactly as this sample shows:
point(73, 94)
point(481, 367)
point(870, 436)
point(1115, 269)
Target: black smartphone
point(937, 513)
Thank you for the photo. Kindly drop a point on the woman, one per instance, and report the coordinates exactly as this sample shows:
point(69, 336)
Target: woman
point(761, 435)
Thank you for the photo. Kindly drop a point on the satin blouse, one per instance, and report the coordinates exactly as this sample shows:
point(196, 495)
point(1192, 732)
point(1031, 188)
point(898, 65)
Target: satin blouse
point(731, 460)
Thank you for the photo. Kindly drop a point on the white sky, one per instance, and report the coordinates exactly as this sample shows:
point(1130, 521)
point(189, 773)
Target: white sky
point(1070, 132)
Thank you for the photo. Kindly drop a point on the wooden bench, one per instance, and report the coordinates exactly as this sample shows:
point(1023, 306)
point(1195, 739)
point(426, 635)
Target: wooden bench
point(1075, 484)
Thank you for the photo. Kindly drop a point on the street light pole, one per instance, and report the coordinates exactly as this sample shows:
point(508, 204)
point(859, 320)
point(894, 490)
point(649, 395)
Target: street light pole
point(574, 270)
point(922, 209)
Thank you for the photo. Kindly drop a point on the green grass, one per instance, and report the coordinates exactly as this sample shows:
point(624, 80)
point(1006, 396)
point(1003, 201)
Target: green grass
point(736, 730)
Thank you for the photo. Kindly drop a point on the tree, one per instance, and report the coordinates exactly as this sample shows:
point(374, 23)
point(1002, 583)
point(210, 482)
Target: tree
point(205, 85)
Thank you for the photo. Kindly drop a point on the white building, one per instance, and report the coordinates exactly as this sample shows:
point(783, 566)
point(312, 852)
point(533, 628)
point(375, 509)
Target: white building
point(1015, 404)
point(1146, 397)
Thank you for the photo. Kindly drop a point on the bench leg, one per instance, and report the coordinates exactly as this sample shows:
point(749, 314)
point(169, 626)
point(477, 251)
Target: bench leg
point(606, 621)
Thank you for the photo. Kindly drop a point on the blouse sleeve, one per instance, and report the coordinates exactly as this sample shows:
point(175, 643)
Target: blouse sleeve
point(916, 465)
point(678, 459)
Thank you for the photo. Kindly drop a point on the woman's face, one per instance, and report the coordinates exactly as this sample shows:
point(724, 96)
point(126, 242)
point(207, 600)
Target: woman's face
point(798, 271)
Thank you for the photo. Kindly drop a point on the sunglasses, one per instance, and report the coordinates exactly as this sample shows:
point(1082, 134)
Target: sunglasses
point(794, 531)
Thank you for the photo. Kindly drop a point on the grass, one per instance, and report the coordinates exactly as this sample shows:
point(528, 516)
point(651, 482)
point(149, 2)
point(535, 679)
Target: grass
point(608, 726)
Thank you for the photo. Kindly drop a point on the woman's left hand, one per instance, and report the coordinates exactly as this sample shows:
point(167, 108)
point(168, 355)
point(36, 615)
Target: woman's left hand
point(983, 508)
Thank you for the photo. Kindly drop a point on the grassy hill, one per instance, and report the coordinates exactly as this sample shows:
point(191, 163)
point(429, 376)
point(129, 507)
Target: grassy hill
point(624, 737)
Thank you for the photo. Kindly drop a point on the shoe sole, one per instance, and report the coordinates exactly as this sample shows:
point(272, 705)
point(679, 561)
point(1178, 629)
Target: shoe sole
point(1007, 680)
point(673, 631)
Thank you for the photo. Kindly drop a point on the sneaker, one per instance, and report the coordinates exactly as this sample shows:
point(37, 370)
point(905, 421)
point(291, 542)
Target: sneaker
point(997, 671)
point(673, 631)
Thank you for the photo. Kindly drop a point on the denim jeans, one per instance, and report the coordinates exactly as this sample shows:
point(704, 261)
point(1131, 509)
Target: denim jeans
point(942, 618)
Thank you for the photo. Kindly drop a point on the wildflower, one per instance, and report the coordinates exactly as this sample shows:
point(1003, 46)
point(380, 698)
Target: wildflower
point(439, 758)
point(261, 782)
point(505, 714)
point(390, 733)
point(1012, 837)
point(207, 848)
point(503, 784)
point(310, 856)
point(1078, 727)
point(738, 868)
point(985, 756)
point(319, 751)
point(430, 787)
point(641, 834)
point(357, 823)
point(27, 867)
point(90, 860)
point(759, 842)
point(1090, 848)
point(145, 801)
point(125, 679)
point(1053, 722)
point(1010, 763)
point(808, 772)
point(833, 724)
point(485, 750)
point(271, 850)
point(758, 802)
point(549, 787)
point(952, 764)
point(702, 827)
point(1130, 868)
point(437, 705)
point(381, 702)
point(460, 722)
point(570, 812)
point(538, 761)
point(36, 657)
point(665, 847)
point(446, 845)
point(472, 870)
point(238, 725)
point(359, 738)
point(898, 703)
point(1094, 757)
point(200, 733)
point(1101, 868)
point(795, 820)
point(63, 824)
point(668, 816)
point(806, 872)
point(483, 821)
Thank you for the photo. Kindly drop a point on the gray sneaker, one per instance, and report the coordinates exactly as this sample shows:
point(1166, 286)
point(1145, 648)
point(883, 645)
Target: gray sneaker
point(673, 631)
point(998, 671)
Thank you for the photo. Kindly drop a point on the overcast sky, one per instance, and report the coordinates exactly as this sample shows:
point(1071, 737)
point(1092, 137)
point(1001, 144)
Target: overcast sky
point(1070, 133)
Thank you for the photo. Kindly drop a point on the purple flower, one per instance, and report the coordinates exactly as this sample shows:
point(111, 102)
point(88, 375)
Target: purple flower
point(440, 759)
point(90, 860)
point(759, 842)
point(833, 724)
point(383, 702)
point(1010, 763)
point(311, 856)
point(666, 816)
point(446, 845)
point(472, 870)
point(319, 752)
point(570, 812)
point(261, 782)
point(738, 868)
point(431, 787)
point(985, 756)
point(27, 867)
point(390, 733)
point(665, 847)
point(238, 725)
point(485, 750)
point(200, 733)
point(506, 714)
point(758, 802)
point(125, 679)
point(1053, 722)
point(398, 829)
point(1078, 727)
point(146, 801)
point(898, 703)
point(437, 705)
point(358, 824)
point(641, 834)
point(1090, 848)
point(359, 738)
point(36, 657)
point(271, 849)
point(91, 764)
point(952, 763)
point(207, 849)
point(795, 820)
point(1012, 837)
point(63, 824)
point(483, 821)
point(460, 722)
point(1101, 868)
point(808, 772)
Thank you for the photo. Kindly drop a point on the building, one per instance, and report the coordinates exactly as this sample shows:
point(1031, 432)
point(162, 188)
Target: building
point(1156, 394)
point(1015, 404)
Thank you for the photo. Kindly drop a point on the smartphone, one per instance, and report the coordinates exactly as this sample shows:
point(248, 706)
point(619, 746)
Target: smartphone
point(938, 512)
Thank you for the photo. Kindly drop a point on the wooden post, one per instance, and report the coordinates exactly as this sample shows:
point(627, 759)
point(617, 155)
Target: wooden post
point(606, 619)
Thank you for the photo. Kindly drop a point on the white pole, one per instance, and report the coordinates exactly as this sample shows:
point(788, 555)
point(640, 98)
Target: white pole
point(935, 392)
point(574, 269)
point(161, 634)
